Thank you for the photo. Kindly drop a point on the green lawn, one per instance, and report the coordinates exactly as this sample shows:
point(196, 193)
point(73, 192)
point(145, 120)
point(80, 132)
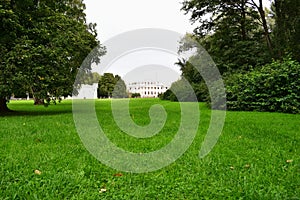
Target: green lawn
point(256, 157)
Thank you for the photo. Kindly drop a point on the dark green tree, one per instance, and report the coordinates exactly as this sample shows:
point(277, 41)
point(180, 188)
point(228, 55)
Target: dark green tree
point(43, 44)
point(10, 30)
point(120, 90)
point(286, 32)
point(111, 86)
point(236, 35)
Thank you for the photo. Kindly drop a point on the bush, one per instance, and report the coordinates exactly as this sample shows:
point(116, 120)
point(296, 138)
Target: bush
point(135, 95)
point(274, 87)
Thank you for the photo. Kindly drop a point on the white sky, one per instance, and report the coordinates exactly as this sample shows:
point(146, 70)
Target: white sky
point(114, 17)
point(117, 16)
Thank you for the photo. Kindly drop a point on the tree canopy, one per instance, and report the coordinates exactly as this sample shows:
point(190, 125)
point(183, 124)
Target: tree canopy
point(256, 50)
point(111, 86)
point(236, 34)
point(43, 44)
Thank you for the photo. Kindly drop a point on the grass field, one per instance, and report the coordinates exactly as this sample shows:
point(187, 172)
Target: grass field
point(256, 157)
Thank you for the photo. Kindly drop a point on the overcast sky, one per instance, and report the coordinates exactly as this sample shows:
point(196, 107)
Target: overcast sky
point(117, 16)
point(114, 17)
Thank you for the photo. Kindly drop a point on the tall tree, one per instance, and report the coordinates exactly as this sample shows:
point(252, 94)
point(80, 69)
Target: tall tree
point(106, 85)
point(259, 7)
point(10, 29)
point(111, 86)
point(43, 52)
point(120, 90)
point(287, 27)
point(234, 32)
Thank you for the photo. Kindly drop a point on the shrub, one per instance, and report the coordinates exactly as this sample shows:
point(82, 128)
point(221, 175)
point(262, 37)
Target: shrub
point(274, 87)
point(135, 95)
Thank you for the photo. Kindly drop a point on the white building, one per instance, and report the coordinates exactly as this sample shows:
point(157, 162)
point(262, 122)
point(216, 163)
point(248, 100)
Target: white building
point(147, 89)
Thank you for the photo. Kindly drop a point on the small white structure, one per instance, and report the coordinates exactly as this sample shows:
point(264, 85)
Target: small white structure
point(147, 89)
point(87, 92)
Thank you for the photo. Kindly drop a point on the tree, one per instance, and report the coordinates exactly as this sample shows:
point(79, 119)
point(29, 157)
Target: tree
point(43, 45)
point(243, 41)
point(120, 88)
point(88, 78)
point(234, 33)
point(10, 29)
point(111, 86)
point(106, 85)
point(287, 28)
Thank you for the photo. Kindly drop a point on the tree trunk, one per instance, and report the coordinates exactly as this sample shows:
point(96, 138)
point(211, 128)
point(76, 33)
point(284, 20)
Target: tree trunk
point(3, 106)
point(38, 101)
point(265, 25)
point(243, 21)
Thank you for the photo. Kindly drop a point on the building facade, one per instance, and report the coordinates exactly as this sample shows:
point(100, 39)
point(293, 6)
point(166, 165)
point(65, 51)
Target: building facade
point(147, 89)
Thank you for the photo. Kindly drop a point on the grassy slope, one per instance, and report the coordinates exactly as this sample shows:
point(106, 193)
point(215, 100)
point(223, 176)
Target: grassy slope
point(249, 160)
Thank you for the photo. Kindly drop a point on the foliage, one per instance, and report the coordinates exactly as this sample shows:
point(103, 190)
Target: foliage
point(120, 90)
point(111, 86)
point(168, 95)
point(256, 157)
point(274, 87)
point(135, 95)
point(241, 38)
point(287, 28)
point(181, 91)
point(106, 85)
point(43, 44)
point(235, 33)
point(88, 78)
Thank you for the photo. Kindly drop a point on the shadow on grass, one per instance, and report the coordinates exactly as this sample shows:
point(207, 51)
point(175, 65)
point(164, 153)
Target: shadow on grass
point(13, 113)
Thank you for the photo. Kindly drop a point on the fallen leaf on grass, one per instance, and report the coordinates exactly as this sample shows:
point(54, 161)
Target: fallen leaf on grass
point(247, 166)
point(102, 190)
point(38, 172)
point(118, 174)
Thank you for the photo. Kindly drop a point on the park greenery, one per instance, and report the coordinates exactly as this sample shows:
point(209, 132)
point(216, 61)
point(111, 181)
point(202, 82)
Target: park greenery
point(255, 49)
point(45, 50)
point(135, 95)
point(43, 44)
point(110, 85)
point(42, 156)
